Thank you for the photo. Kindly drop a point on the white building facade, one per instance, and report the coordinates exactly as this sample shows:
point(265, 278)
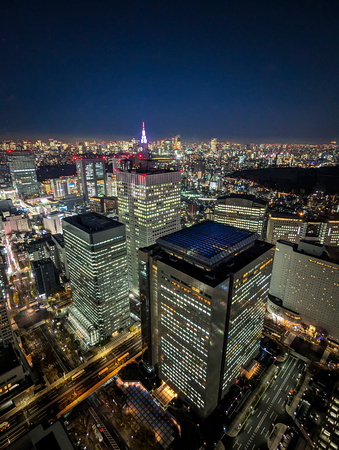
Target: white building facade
point(305, 280)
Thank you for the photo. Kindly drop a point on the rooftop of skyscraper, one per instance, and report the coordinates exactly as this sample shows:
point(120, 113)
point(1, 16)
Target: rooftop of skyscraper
point(207, 244)
point(92, 222)
point(217, 274)
point(322, 252)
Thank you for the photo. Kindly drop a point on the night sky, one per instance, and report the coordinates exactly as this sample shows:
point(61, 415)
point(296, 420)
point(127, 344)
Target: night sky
point(245, 70)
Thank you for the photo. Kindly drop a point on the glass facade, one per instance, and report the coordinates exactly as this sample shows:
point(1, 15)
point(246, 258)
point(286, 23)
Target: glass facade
point(203, 325)
point(185, 329)
point(23, 173)
point(91, 175)
point(149, 206)
point(247, 312)
point(208, 243)
point(98, 272)
point(242, 212)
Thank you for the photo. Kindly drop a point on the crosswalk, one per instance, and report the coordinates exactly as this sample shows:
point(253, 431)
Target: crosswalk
point(271, 401)
point(106, 433)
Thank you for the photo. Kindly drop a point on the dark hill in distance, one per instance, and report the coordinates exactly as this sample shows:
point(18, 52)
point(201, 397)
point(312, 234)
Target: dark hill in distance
point(295, 179)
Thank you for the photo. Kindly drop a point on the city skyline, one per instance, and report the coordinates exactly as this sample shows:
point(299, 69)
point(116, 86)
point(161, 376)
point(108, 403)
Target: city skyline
point(220, 318)
point(237, 71)
point(169, 225)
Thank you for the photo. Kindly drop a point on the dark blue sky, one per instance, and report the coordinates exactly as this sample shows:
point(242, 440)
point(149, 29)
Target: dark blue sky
point(251, 70)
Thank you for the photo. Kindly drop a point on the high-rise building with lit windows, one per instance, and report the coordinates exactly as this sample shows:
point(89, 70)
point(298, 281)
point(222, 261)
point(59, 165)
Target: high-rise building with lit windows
point(23, 172)
point(148, 205)
point(305, 282)
point(296, 227)
point(96, 255)
point(241, 211)
point(329, 232)
point(91, 176)
point(214, 143)
point(203, 292)
point(289, 227)
point(6, 331)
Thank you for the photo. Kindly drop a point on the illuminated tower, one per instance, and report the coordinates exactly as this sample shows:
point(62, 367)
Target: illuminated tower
point(149, 206)
point(143, 139)
point(144, 143)
point(203, 292)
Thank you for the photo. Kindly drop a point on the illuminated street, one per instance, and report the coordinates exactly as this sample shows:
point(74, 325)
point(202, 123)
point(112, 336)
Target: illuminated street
point(56, 400)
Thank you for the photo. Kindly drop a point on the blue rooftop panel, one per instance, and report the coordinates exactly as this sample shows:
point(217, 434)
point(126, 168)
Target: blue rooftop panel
point(207, 243)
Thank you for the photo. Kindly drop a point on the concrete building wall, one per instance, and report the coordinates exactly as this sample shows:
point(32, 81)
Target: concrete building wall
point(308, 285)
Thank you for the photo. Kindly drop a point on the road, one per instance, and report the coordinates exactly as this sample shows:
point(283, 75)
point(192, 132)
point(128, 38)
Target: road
point(100, 415)
point(270, 409)
point(57, 399)
point(65, 364)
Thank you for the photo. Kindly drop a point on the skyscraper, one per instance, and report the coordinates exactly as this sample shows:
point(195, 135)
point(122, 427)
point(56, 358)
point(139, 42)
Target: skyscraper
point(46, 275)
point(241, 211)
point(91, 176)
point(305, 282)
point(289, 227)
point(96, 256)
point(203, 291)
point(329, 234)
point(23, 173)
point(6, 331)
point(149, 206)
point(214, 143)
point(143, 138)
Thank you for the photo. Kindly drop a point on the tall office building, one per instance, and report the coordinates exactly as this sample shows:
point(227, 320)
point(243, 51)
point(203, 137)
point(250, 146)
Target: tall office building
point(91, 176)
point(241, 211)
point(59, 187)
point(288, 227)
point(203, 292)
point(305, 283)
point(214, 143)
point(96, 255)
point(294, 228)
point(23, 172)
point(46, 275)
point(149, 206)
point(329, 234)
point(177, 143)
point(6, 331)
